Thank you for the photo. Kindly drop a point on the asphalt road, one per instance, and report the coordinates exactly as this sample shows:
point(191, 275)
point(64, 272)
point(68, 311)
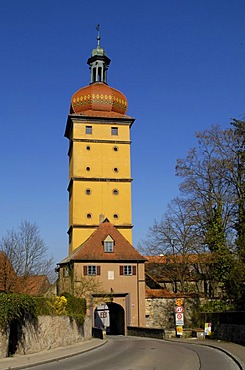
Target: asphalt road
point(128, 353)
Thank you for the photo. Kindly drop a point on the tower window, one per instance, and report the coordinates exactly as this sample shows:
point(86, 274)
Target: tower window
point(115, 169)
point(88, 130)
point(115, 192)
point(114, 130)
point(115, 216)
point(89, 215)
point(88, 147)
point(87, 168)
point(87, 191)
point(115, 148)
point(94, 74)
point(99, 74)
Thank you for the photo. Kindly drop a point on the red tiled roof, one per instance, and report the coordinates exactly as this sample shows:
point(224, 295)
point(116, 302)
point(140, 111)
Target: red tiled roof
point(8, 277)
point(159, 293)
point(34, 285)
point(163, 293)
point(93, 249)
point(11, 283)
point(190, 258)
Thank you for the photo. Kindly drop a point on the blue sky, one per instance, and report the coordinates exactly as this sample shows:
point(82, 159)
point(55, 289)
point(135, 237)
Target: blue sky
point(180, 64)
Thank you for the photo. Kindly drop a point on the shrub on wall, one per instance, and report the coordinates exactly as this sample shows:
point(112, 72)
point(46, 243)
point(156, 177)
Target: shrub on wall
point(59, 305)
point(65, 304)
point(16, 307)
point(216, 306)
point(43, 306)
point(76, 307)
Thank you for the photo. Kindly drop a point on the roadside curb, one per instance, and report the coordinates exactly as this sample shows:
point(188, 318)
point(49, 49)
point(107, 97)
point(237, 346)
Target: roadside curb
point(234, 357)
point(52, 356)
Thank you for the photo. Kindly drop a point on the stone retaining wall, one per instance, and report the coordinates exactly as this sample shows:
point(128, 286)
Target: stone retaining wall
point(160, 312)
point(146, 332)
point(47, 333)
point(4, 335)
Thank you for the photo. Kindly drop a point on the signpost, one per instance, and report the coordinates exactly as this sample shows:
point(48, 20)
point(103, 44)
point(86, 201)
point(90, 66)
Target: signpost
point(179, 316)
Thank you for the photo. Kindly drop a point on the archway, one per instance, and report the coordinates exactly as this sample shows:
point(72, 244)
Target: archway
point(110, 316)
point(117, 321)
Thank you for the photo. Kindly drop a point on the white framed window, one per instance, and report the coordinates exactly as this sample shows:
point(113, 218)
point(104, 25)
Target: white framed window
point(108, 246)
point(91, 270)
point(127, 270)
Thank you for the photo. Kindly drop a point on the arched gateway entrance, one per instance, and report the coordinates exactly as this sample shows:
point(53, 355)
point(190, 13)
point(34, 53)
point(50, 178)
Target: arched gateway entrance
point(110, 316)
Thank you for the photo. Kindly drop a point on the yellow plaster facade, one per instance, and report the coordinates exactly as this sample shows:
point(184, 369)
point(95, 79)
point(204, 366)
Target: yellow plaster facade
point(99, 175)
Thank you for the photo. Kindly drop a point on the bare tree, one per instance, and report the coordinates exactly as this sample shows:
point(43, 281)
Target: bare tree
point(204, 172)
point(175, 241)
point(27, 252)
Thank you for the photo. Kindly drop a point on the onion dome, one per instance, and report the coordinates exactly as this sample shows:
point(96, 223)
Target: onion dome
point(98, 96)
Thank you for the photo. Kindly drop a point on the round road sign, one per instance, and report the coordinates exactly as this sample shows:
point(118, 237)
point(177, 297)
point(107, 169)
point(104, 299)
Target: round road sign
point(179, 309)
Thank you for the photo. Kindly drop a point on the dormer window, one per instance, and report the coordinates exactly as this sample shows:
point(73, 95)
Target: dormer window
point(108, 244)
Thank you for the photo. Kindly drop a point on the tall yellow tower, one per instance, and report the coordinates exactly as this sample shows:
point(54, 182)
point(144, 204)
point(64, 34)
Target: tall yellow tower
point(99, 155)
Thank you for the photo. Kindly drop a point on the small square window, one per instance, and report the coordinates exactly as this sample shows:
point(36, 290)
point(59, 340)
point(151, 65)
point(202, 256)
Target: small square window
point(88, 130)
point(108, 246)
point(92, 270)
point(114, 130)
point(127, 270)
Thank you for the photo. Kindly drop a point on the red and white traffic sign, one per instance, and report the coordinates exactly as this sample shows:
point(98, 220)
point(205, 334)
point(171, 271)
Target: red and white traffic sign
point(179, 309)
point(179, 319)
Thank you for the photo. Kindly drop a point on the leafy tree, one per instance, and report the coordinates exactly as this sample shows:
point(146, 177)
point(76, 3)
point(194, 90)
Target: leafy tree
point(239, 132)
point(27, 252)
point(212, 210)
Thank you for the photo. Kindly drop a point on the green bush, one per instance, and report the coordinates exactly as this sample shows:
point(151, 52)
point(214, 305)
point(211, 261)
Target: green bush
point(216, 306)
point(76, 307)
point(43, 306)
point(16, 307)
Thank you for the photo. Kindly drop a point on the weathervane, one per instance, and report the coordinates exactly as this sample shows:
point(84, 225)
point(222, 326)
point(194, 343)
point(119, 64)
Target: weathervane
point(98, 37)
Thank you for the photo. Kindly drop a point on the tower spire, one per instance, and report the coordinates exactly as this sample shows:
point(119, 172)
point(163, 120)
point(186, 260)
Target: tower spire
point(98, 62)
